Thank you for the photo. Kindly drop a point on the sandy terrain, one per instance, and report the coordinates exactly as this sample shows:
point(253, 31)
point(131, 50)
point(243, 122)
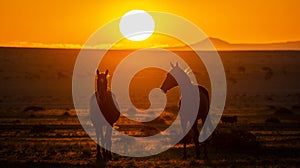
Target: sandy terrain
point(263, 92)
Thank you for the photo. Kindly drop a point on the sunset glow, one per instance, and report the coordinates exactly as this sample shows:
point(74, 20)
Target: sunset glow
point(68, 24)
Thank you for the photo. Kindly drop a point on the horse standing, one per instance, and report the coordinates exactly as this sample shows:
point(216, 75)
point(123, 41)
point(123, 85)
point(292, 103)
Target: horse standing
point(102, 99)
point(203, 110)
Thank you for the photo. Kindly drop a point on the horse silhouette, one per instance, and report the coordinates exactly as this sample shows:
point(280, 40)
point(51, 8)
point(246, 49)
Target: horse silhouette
point(169, 83)
point(103, 107)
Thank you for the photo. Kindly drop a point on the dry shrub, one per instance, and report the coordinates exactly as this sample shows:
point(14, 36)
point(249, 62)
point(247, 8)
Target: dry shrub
point(236, 140)
point(273, 120)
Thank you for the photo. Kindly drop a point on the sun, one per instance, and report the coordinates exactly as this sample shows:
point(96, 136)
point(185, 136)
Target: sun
point(137, 25)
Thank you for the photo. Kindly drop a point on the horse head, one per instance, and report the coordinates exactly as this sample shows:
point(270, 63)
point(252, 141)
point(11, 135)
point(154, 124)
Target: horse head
point(170, 81)
point(101, 84)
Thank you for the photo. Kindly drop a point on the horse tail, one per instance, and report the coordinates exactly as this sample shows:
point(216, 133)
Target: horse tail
point(204, 104)
point(204, 91)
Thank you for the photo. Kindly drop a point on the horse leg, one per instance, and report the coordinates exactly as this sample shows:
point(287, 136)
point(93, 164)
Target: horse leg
point(196, 136)
point(205, 150)
point(205, 131)
point(183, 126)
point(98, 153)
point(204, 143)
point(108, 142)
point(184, 147)
point(103, 143)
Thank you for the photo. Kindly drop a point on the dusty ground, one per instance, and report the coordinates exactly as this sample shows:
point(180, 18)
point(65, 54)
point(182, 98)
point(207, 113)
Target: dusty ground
point(54, 138)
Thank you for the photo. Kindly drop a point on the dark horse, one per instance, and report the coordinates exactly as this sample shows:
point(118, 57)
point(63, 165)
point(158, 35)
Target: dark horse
point(102, 99)
point(170, 83)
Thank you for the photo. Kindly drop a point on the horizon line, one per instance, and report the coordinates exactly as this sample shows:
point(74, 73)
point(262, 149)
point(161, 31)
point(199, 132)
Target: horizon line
point(79, 46)
point(178, 50)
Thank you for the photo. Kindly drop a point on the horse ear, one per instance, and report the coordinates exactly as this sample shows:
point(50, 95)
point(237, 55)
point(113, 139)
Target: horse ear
point(177, 64)
point(106, 72)
point(97, 72)
point(171, 65)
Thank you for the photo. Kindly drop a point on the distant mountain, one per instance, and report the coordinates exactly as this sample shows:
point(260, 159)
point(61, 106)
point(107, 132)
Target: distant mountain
point(223, 45)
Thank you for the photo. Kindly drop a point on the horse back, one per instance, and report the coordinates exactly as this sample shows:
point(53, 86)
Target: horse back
point(204, 103)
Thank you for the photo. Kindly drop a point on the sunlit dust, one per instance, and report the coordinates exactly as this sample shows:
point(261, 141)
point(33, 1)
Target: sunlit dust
point(156, 40)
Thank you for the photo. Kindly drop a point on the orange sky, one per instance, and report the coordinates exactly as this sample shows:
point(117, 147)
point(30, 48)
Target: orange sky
point(70, 22)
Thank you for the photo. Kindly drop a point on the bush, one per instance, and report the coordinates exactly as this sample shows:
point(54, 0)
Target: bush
point(235, 140)
point(66, 114)
point(39, 129)
point(273, 120)
point(33, 108)
point(283, 111)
